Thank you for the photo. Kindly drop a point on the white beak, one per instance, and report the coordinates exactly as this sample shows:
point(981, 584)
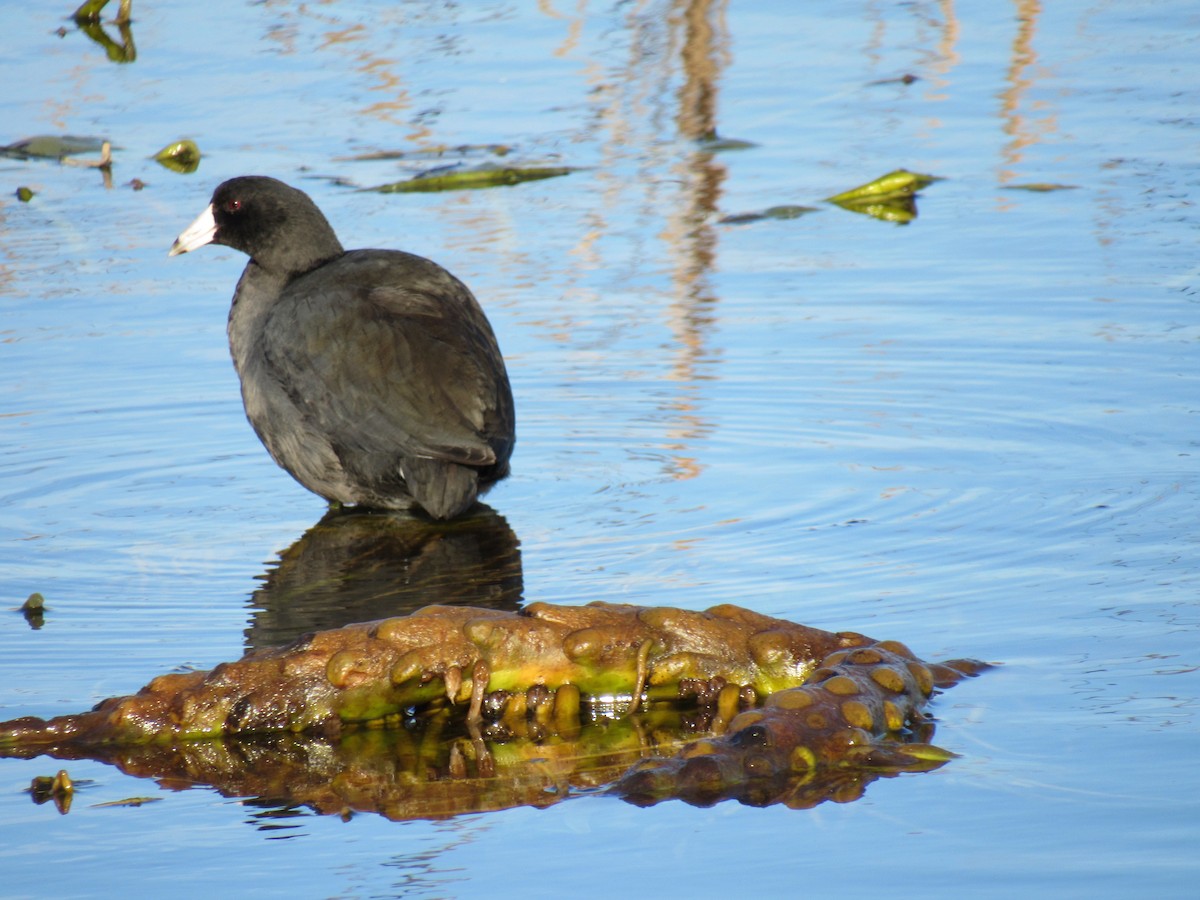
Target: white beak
point(199, 233)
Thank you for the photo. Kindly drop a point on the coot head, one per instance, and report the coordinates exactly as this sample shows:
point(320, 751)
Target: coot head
point(273, 223)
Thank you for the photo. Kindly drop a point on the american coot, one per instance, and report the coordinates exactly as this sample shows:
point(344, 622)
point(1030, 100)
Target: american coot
point(372, 376)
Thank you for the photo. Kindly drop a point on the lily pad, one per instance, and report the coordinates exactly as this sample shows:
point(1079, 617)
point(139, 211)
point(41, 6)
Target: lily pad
point(772, 212)
point(450, 178)
point(182, 157)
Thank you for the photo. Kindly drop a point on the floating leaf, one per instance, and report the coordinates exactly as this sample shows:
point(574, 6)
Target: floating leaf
point(128, 801)
point(60, 789)
point(712, 143)
point(890, 198)
point(773, 212)
point(1042, 187)
point(900, 183)
point(182, 157)
point(429, 153)
point(24, 194)
point(906, 79)
point(34, 608)
point(53, 146)
point(447, 178)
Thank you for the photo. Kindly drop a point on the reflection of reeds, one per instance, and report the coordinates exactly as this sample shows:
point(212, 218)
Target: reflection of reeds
point(695, 47)
point(1024, 131)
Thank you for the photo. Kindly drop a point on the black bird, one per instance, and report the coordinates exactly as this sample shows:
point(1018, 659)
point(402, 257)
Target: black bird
point(372, 376)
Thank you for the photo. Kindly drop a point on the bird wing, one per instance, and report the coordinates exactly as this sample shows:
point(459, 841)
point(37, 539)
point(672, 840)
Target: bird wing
point(390, 355)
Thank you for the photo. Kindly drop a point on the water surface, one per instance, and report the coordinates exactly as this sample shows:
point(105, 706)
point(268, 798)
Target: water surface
point(975, 433)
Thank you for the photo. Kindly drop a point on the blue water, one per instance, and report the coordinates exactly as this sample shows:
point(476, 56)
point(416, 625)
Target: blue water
point(976, 433)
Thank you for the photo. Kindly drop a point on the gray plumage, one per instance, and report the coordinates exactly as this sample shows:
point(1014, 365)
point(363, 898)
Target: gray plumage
point(372, 376)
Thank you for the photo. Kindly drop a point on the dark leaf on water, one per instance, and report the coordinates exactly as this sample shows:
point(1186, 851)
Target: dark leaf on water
point(448, 178)
point(128, 801)
point(34, 608)
point(713, 143)
point(460, 150)
point(52, 146)
point(906, 78)
point(60, 789)
point(773, 212)
point(1042, 187)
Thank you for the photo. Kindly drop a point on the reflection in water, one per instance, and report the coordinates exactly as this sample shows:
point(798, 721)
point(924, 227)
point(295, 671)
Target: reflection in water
point(122, 52)
point(358, 567)
point(1023, 131)
point(1011, 412)
point(436, 767)
point(943, 57)
point(87, 20)
point(899, 210)
point(392, 99)
point(688, 44)
point(690, 235)
point(663, 96)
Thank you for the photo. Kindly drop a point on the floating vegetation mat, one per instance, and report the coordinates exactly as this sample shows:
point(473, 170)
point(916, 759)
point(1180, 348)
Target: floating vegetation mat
point(454, 710)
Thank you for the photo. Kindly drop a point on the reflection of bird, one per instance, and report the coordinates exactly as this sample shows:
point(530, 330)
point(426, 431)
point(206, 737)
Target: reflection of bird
point(372, 376)
point(358, 567)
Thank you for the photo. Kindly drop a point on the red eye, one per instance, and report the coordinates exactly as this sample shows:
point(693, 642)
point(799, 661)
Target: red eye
point(233, 205)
